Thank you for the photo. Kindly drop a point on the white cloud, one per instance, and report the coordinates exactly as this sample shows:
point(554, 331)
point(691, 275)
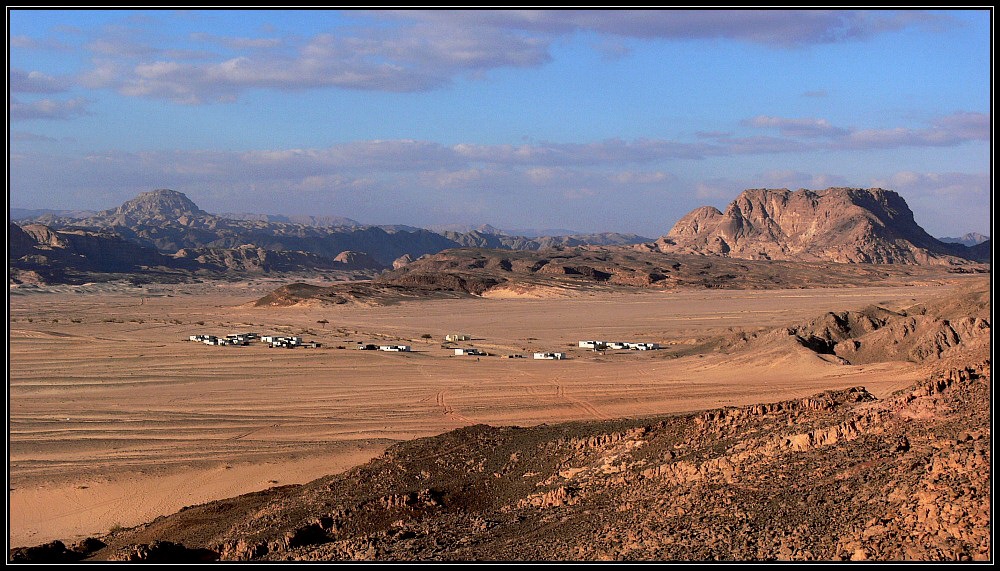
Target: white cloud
point(946, 130)
point(428, 49)
point(798, 127)
point(20, 81)
point(48, 109)
point(783, 28)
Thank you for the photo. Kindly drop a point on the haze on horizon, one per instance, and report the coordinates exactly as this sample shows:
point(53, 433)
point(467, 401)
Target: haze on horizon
point(591, 120)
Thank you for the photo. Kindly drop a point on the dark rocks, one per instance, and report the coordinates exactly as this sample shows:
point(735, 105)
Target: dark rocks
point(162, 552)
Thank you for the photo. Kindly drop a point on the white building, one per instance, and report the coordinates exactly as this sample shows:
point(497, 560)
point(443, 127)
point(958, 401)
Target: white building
point(469, 352)
point(550, 355)
point(458, 337)
point(395, 348)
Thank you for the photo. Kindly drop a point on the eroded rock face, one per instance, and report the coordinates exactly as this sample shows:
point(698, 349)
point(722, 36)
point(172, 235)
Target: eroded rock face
point(850, 225)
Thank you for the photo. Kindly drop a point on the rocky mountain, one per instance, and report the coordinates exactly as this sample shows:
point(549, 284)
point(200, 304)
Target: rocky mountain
point(970, 239)
point(169, 221)
point(835, 476)
point(156, 206)
point(850, 225)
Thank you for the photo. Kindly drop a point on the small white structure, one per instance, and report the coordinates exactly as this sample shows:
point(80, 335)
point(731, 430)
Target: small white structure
point(469, 351)
point(395, 348)
point(458, 337)
point(643, 346)
point(550, 355)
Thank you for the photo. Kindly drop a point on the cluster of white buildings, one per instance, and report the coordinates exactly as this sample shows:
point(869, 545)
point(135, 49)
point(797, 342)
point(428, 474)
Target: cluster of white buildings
point(389, 348)
point(604, 345)
point(231, 339)
point(291, 342)
point(287, 342)
point(247, 338)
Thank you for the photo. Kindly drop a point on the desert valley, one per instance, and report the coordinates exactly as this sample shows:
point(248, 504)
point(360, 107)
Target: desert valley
point(819, 388)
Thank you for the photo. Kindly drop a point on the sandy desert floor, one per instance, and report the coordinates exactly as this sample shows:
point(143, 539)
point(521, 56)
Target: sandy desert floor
point(116, 418)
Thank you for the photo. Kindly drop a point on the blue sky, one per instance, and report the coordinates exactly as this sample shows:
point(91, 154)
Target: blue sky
point(589, 120)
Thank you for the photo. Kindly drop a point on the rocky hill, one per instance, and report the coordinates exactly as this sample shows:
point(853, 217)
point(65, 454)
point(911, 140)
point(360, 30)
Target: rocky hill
point(39, 254)
point(850, 225)
point(835, 476)
point(566, 271)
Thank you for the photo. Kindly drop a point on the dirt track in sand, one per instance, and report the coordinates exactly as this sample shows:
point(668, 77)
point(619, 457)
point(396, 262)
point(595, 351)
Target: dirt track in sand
point(116, 418)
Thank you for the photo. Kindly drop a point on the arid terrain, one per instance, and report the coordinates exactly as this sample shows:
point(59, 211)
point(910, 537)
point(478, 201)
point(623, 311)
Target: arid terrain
point(116, 418)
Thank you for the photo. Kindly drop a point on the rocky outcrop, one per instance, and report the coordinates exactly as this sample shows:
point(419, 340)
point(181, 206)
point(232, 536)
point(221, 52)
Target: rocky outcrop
point(162, 552)
point(252, 259)
point(52, 254)
point(851, 225)
point(920, 333)
point(358, 261)
point(56, 552)
point(401, 261)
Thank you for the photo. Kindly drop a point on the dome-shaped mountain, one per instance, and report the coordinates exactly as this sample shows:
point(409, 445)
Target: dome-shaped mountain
point(851, 225)
point(155, 205)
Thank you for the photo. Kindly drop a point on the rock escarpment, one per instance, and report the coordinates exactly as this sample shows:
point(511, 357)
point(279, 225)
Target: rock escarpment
point(850, 225)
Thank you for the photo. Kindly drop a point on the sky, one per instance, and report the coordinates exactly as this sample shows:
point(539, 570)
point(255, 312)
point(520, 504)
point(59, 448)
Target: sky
point(590, 120)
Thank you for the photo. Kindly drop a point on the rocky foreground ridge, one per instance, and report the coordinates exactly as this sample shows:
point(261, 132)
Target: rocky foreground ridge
point(836, 476)
point(852, 225)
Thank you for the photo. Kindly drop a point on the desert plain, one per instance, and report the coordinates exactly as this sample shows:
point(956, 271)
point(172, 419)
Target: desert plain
point(115, 417)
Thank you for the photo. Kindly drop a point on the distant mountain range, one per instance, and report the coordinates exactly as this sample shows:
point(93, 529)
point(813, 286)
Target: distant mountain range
point(970, 239)
point(168, 224)
point(852, 225)
point(17, 214)
point(164, 229)
point(320, 221)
